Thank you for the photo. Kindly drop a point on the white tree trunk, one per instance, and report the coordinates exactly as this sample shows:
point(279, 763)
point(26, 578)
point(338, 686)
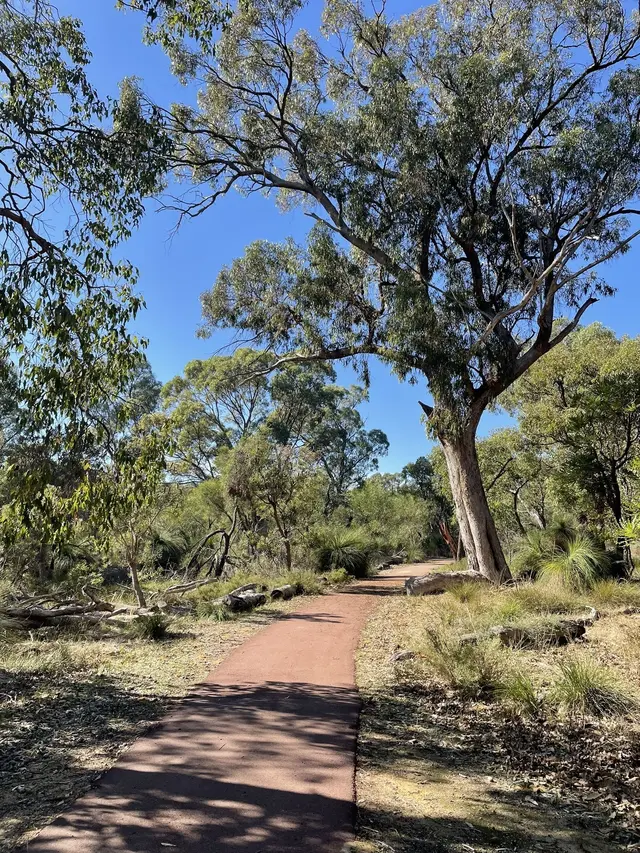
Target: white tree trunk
point(477, 527)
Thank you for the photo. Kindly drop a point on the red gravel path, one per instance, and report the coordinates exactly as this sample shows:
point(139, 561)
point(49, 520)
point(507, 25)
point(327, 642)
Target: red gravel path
point(258, 759)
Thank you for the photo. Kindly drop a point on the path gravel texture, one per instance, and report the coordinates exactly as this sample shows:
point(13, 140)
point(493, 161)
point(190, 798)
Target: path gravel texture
point(258, 759)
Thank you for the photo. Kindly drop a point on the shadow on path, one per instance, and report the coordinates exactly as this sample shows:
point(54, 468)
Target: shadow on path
point(204, 787)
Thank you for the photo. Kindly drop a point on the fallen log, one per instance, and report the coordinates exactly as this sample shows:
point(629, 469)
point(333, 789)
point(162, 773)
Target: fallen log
point(283, 592)
point(246, 601)
point(559, 633)
point(32, 618)
point(438, 582)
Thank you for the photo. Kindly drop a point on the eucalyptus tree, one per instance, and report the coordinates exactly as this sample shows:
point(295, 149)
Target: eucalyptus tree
point(74, 170)
point(583, 402)
point(346, 450)
point(210, 407)
point(468, 168)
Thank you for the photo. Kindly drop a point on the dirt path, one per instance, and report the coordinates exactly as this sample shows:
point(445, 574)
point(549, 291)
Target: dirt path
point(258, 759)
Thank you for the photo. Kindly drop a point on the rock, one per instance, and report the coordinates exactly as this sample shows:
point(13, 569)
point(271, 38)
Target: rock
point(438, 582)
point(406, 654)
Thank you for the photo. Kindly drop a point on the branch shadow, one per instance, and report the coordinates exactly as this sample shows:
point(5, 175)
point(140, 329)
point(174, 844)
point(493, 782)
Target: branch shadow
point(257, 768)
point(56, 732)
point(439, 749)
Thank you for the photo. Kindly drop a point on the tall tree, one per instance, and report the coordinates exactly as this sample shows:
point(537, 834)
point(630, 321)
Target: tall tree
point(468, 167)
point(346, 450)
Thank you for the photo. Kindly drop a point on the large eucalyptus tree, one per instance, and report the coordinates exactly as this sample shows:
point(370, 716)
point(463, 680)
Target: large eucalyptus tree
point(468, 168)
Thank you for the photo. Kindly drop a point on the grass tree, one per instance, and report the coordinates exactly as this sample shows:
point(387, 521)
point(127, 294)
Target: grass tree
point(468, 167)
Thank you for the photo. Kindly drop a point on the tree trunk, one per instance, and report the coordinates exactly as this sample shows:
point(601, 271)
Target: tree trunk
point(477, 528)
point(135, 583)
point(284, 533)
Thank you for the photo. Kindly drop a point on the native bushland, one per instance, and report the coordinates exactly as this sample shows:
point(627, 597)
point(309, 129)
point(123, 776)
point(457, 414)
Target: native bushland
point(468, 168)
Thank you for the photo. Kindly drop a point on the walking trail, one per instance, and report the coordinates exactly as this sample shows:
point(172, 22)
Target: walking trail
point(258, 759)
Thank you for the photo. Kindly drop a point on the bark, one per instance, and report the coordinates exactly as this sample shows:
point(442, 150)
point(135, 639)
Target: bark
point(437, 582)
point(448, 538)
point(477, 527)
point(284, 592)
point(284, 533)
point(246, 601)
point(135, 583)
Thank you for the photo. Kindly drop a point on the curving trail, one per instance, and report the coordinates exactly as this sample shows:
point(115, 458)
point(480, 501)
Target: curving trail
point(257, 759)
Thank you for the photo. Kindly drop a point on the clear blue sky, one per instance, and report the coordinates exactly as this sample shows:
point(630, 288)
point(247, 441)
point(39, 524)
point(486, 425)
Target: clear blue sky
point(176, 268)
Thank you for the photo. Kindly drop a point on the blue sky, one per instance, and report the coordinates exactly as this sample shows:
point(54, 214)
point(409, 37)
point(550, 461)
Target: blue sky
point(176, 267)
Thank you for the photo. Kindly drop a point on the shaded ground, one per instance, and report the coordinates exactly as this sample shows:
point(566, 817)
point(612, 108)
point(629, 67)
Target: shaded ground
point(257, 759)
point(439, 774)
point(68, 708)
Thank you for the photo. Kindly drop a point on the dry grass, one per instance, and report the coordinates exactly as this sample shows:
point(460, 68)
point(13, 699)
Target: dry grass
point(455, 744)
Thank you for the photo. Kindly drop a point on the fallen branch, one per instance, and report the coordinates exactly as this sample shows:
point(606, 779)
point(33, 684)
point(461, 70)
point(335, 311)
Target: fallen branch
point(560, 633)
point(245, 601)
point(438, 582)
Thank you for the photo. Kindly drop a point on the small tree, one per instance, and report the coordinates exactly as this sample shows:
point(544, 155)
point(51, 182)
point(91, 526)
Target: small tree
point(468, 167)
point(274, 475)
point(583, 401)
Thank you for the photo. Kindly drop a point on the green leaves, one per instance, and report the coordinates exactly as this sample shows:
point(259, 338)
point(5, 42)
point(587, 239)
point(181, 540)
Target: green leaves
point(75, 171)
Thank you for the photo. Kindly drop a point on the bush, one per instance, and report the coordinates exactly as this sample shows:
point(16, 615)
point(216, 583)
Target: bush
point(517, 691)
point(579, 564)
point(474, 669)
point(587, 688)
point(153, 626)
point(338, 576)
point(531, 553)
point(344, 549)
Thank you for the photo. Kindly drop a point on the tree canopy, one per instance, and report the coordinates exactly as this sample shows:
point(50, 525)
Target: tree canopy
point(468, 166)
point(74, 170)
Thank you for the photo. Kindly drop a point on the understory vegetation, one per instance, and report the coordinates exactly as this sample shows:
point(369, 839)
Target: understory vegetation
point(493, 747)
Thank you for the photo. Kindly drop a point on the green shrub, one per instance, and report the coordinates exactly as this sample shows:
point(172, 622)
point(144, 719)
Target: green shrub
point(306, 583)
point(344, 549)
point(531, 553)
point(585, 687)
point(338, 576)
point(153, 626)
point(578, 565)
point(474, 669)
point(517, 691)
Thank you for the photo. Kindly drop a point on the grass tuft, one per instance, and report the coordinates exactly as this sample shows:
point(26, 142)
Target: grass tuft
point(474, 669)
point(579, 564)
point(585, 687)
point(518, 692)
point(153, 626)
point(614, 593)
point(344, 549)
